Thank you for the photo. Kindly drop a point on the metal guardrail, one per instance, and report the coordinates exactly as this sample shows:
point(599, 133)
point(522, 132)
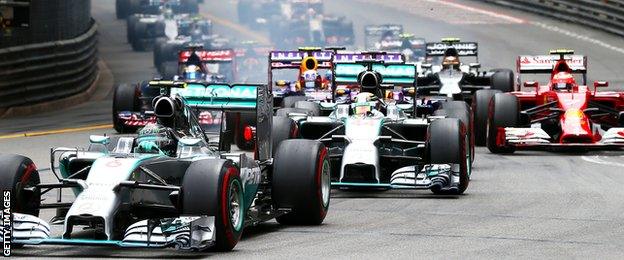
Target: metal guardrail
point(40, 72)
point(607, 15)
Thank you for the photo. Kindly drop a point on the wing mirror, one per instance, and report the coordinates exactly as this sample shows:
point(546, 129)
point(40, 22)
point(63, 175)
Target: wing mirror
point(601, 84)
point(531, 84)
point(99, 139)
point(475, 65)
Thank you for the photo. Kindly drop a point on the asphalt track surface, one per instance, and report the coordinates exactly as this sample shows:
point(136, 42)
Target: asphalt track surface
point(526, 205)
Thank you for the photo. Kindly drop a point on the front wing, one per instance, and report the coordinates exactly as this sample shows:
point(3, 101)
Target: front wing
point(538, 139)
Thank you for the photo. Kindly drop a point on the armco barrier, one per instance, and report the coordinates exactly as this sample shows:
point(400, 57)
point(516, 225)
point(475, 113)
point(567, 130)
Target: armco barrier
point(606, 15)
point(34, 73)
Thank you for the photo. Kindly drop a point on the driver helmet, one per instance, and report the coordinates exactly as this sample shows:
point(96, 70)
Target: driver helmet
point(363, 104)
point(329, 75)
point(192, 72)
point(310, 79)
point(563, 80)
point(168, 13)
point(155, 138)
point(450, 62)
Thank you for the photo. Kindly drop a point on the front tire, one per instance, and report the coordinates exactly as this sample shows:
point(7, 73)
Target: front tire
point(503, 80)
point(446, 144)
point(124, 99)
point(503, 112)
point(213, 187)
point(18, 174)
point(461, 111)
point(283, 128)
point(480, 106)
point(301, 182)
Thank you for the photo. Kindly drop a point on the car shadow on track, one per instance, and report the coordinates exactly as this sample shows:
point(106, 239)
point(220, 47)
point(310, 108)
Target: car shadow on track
point(389, 194)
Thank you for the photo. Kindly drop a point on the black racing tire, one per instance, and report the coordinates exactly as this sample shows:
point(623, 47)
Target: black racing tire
point(134, 7)
point(503, 112)
point(286, 111)
point(301, 182)
point(130, 22)
point(122, 8)
point(283, 128)
point(244, 120)
point(138, 33)
point(125, 98)
point(158, 51)
point(17, 173)
point(446, 144)
point(462, 111)
point(208, 188)
point(480, 106)
point(288, 102)
point(314, 108)
point(503, 80)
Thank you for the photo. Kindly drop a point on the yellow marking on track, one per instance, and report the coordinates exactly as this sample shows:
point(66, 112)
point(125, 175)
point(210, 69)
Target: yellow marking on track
point(57, 131)
point(239, 28)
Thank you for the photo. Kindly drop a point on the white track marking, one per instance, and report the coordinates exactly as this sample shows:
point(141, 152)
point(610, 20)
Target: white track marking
point(578, 36)
point(511, 19)
point(448, 12)
point(597, 159)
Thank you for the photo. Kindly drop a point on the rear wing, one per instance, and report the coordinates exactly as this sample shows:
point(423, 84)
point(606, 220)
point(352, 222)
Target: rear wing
point(373, 34)
point(393, 74)
point(544, 64)
point(252, 98)
point(226, 55)
point(463, 48)
point(292, 59)
point(353, 57)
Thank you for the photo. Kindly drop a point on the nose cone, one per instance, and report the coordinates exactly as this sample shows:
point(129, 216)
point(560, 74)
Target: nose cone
point(576, 127)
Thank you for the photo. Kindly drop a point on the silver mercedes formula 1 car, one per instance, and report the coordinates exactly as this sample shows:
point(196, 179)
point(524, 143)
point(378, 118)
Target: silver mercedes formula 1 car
point(374, 142)
point(172, 185)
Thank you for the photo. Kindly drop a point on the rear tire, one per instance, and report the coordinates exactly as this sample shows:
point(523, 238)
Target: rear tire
point(480, 106)
point(283, 128)
point(301, 182)
point(461, 110)
point(503, 80)
point(138, 33)
point(213, 187)
point(130, 22)
point(446, 144)
point(122, 9)
point(124, 99)
point(503, 112)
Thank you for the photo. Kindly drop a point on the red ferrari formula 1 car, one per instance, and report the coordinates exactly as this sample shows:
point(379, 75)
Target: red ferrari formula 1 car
point(561, 115)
